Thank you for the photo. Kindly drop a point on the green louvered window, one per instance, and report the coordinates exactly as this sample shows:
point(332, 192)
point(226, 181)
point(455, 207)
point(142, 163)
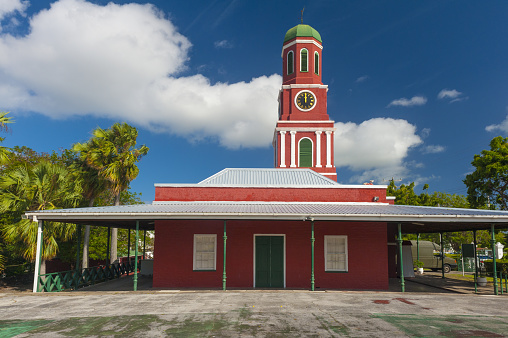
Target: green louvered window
point(304, 58)
point(316, 63)
point(305, 153)
point(291, 59)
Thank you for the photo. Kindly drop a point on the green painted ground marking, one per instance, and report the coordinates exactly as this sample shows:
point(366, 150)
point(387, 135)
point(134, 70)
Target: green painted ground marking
point(11, 328)
point(338, 328)
point(448, 326)
point(131, 326)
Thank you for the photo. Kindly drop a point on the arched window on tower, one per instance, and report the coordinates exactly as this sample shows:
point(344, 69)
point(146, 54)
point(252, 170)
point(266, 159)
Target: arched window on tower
point(316, 63)
point(304, 60)
point(305, 158)
point(291, 62)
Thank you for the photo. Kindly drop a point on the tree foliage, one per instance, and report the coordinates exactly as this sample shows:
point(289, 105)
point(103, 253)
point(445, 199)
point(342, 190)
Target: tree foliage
point(487, 186)
point(37, 181)
point(41, 187)
point(405, 195)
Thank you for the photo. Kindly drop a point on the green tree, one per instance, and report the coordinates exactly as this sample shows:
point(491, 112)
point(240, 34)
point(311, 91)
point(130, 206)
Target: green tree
point(4, 158)
point(114, 154)
point(405, 195)
point(43, 186)
point(487, 186)
point(4, 152)
point(93, 185)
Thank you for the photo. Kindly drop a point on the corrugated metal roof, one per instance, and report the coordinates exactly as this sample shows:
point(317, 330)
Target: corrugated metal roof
point(267, 177)
point(277, 208)
point(414, 218)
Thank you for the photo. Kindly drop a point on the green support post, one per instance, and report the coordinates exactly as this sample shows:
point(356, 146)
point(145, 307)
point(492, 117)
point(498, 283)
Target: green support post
point(128, 250)
point(506, 282)
point(136, 258)
point(475, 264)
point(418, 247)
point(442, 254)
point(399, 240)
point(312, 240)
point(224, 263)
point(493, 242)
point(501, 281)
point(144, 244)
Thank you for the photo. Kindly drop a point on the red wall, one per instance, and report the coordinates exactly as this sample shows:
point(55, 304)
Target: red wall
point(187, 194)
point(367, 254)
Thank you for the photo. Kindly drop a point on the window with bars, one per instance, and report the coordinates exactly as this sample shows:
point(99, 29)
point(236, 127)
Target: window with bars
point(336, 253)
point(205, 250)
point(304, 64)
point(291, 58)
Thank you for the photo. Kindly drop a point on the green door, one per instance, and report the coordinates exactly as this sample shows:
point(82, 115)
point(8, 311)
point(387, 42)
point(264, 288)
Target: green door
point(270, 261)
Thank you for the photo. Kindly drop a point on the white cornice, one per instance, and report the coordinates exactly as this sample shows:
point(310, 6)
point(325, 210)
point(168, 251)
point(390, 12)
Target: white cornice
point(300, 85)
point(314, 42)
point(328, 121)
point(300, 129)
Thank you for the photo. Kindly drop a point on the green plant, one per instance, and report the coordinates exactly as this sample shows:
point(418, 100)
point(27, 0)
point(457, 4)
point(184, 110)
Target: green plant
point(418, 264)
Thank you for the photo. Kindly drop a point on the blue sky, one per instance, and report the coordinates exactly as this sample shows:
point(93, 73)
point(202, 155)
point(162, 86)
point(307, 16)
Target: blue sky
point(416, 88)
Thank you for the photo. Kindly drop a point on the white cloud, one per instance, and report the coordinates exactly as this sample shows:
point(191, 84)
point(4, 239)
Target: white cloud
point(8, 7)
point(414, 101)
point(452, 94)
point(502, 127)
point(223, 44)
point(425, 132)
point(433, 149)
point(377, 147)
point(447, 93)
point(122, 62)
point(362, 79)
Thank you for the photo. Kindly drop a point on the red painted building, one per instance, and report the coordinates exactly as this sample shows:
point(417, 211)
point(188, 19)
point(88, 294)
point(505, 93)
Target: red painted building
point(278, 253)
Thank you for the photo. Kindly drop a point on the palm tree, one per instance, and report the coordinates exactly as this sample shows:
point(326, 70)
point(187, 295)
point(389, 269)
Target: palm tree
point(4, 152)
point(43, 186)
point(4, 157)
point(114, 154)
point(93, 185)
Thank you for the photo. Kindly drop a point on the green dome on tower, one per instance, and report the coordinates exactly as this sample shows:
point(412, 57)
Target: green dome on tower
point(302, 31)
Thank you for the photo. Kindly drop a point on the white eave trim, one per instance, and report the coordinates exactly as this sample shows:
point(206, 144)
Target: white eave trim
point(337, 186)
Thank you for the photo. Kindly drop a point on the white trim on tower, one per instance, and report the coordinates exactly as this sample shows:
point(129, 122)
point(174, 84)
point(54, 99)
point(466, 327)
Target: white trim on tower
point(318, 148)
point(328, 149)
point(293, 149)
point(282, 149)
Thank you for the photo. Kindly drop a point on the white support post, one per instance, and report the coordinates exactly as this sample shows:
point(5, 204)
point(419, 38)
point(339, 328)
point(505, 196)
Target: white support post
point(282, 149)
point(293, 149)
point(318, 149)
point(38, 253)
point(328, 149)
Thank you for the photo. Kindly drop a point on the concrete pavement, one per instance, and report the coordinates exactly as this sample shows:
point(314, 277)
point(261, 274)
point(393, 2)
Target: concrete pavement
point(252, 313)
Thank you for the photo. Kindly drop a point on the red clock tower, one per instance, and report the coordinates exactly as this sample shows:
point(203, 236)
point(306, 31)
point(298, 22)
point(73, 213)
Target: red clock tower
point(303, 136)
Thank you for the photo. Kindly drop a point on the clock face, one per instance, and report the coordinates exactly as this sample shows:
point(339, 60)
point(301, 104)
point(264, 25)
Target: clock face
point(305, 100)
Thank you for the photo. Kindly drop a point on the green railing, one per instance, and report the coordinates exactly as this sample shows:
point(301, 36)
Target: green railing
point(72, 279)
